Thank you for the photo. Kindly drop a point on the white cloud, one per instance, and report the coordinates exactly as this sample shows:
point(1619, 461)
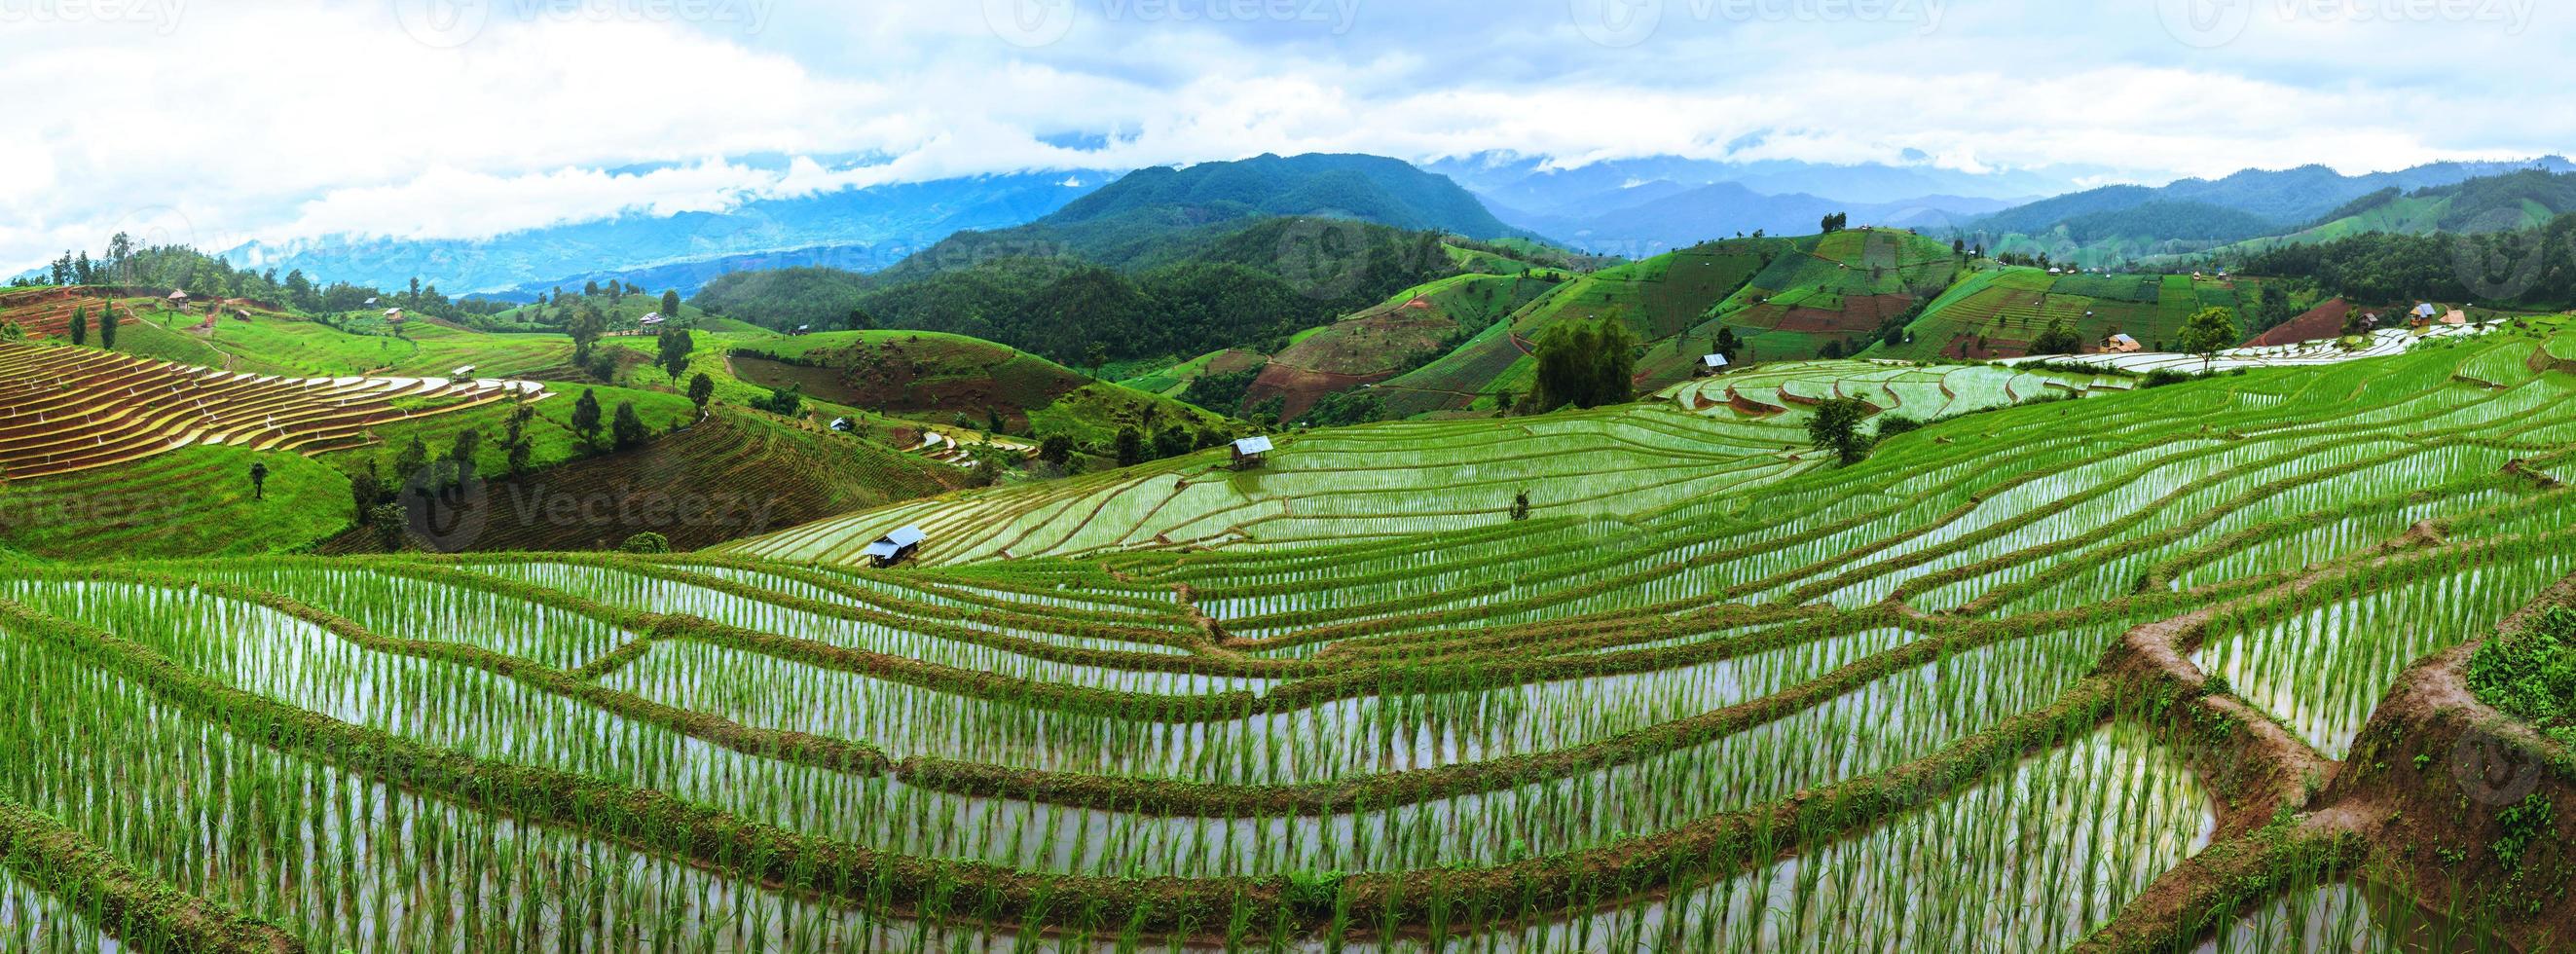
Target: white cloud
point(295, 118)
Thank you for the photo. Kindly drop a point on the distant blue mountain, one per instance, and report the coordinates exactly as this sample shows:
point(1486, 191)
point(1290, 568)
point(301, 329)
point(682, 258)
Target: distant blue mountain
point(2282, 198)
point(1656, 217)
point(1529, 185)
point(859, 229)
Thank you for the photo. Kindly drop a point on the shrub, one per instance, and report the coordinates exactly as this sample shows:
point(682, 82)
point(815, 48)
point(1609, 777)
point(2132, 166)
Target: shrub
point(646, 542)
point(2531, 675)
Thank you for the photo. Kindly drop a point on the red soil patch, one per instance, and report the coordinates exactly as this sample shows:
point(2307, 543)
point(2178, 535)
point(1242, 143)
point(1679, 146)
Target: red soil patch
point(1750, 406)
point(1299, 388)
point(2319, 324)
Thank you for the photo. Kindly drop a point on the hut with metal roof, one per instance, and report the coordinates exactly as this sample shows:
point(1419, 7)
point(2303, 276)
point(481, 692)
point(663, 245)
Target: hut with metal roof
point(895, 547)
point(1251, 452)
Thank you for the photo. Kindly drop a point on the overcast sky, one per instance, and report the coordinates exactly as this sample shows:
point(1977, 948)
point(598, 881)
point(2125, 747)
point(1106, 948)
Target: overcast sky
point(215, 123)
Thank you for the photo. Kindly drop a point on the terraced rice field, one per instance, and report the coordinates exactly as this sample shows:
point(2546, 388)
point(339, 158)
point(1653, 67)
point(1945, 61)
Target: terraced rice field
point(1923, 393)
point(1711, 695)
point(65, 410)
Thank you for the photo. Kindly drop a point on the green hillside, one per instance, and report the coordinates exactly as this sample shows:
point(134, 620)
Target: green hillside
point(934, 396)
point(1997, 311)
point(969, 382)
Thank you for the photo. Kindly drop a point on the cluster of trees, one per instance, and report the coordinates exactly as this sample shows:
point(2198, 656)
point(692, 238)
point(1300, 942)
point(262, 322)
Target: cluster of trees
point(2527, 266)
point(107, 325)
point(1586, 364)
point(1134, 445)
point(1253, 285)
point(125, 264)
point(1835, 222)
point(2057, 339)
point(1222, 393)
point(625, 429)
point(785, 298)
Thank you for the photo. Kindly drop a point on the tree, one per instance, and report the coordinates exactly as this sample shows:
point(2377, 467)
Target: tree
point(516, 445)
point(2056, 339)
point(107, 327)
point(788, 401)
point(1727, 343)
point(585, 328)
point(391, 525)
point(2207, 333)
point(671, 305)
point(1056, 449)
point(1172, 442)
point(1095, 356)
point(1131, 447)
point(672, 352)
point(860, 320)
point(628, 429)
point(1836, 428)
point(585, 417)
point(1521, 506)
point(590, 289)
point(701, 390)
point(258, 481)
point(366, 490)
point(646, 542)
point(1586, 364)
point(80, 326)
point(411, 460)
point(460, 455)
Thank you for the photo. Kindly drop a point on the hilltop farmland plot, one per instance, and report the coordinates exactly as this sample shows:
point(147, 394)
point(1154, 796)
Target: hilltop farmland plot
point(2124, 672)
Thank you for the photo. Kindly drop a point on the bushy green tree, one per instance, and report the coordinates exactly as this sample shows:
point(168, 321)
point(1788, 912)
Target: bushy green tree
point(628, 428)
point(1836, 428)
point(701, 390)
point(2211, 331)
point(646, 542)
point(80, 326)
point(585, 417)
point(1130, 447)
point(2056, 339)
point(1056, 449)
point(1586, 364)
point(672, 348)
